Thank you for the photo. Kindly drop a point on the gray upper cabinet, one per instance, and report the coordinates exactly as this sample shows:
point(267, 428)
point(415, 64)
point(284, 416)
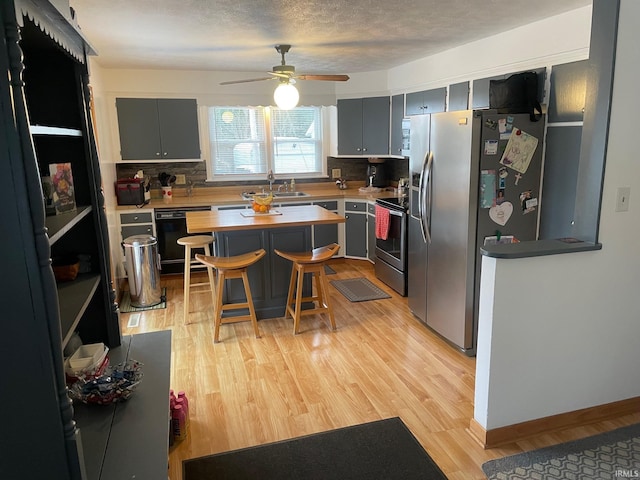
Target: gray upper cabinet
point(158, 129)
point(363, 126)
point(459, 96)
point(481, 91)
point(426, 101)
point(567, 94)
point(397, 114)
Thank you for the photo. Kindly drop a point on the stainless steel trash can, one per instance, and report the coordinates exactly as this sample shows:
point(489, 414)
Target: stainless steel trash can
point(143, 272)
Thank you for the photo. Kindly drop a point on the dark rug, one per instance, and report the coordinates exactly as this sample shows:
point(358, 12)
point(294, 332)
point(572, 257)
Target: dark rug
point(359, 289)
point(610, 456)
point(126, 307)
point(384, 450)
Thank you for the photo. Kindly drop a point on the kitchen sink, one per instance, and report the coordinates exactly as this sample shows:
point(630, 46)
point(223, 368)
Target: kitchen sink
point(249, 195)
point(290, 194)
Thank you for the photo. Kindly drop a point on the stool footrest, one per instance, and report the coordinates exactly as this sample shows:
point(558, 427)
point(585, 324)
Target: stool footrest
point(238, 319)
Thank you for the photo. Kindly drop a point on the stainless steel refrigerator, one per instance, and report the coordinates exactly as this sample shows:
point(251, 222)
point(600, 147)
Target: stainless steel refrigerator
point(471, 183)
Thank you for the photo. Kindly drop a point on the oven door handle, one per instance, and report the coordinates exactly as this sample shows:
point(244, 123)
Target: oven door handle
point(394, 212)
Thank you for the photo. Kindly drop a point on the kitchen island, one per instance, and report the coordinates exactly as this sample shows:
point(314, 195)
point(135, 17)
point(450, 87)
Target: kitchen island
point(241, 231)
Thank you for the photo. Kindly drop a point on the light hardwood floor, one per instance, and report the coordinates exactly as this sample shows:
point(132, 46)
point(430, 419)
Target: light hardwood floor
point(380, 363)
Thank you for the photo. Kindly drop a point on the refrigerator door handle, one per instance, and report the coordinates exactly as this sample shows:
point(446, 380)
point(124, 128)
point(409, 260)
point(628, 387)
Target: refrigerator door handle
point(425, 198)
point(422, 198)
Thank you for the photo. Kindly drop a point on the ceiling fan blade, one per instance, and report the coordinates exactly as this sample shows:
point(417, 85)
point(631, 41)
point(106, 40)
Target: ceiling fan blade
point(331, 78)
point(246, 81)
point(280, 74)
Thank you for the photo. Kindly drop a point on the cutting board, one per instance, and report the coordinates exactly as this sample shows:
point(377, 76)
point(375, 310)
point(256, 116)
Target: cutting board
point(251, 213)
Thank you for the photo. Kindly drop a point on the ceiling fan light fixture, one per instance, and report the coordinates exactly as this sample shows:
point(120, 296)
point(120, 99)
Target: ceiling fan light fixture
point(286, 96)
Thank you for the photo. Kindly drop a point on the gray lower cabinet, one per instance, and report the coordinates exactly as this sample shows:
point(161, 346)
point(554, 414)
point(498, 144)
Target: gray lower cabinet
point(326, 234)
point(355, 229)
point(363, 126)
point(158, 129)
point(269, 277)
point(371, 232)
point(136, 224)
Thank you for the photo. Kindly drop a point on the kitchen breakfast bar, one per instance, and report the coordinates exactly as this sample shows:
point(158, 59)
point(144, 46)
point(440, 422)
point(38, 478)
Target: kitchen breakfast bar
point(240, 231)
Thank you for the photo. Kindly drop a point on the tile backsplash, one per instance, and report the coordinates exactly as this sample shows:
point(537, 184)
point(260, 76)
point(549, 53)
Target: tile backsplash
point(354, 169)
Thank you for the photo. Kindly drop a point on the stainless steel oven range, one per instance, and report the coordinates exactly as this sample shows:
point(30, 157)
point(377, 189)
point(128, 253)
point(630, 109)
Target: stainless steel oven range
point(391, 254)
point(171, 224)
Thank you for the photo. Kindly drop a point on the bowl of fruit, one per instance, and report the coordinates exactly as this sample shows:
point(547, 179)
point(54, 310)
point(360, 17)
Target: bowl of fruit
point(262, 203)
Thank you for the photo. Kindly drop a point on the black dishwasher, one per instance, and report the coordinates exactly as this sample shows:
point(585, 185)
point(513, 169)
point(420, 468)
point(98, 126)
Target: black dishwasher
point(171, 224)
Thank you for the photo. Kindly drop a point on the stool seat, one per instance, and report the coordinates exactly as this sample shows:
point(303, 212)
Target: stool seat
point(195, 241)
point(313, 263)
point(227, 268)
point(189, 242)
point(232, 263)
point(317, 255)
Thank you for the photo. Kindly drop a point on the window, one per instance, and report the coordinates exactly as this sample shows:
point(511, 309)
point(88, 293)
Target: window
point(247, 142)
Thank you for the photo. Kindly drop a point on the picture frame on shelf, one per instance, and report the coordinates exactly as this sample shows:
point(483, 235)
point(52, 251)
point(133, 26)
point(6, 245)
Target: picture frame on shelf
point(64, 199)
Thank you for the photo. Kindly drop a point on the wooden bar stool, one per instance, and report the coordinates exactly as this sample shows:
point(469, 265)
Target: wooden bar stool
point(227, 268)
point(309, 262)
point(190, 242)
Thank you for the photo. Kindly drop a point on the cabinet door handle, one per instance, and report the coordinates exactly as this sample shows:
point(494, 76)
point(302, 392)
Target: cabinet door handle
point(157, 154)
point(165, 154)
point(135, 219)
point(358, 149)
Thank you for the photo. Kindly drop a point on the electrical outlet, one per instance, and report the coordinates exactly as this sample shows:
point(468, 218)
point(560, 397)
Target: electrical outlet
point(181, 179)
point(622, 199)
point(336, 173)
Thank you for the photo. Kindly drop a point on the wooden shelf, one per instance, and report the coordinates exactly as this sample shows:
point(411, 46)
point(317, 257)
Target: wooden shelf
point(59, 225)
point(73, 298)
point(54, 131)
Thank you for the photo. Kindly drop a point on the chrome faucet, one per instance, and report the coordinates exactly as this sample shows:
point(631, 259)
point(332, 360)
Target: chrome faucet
point(271, 179)
point(283, 185)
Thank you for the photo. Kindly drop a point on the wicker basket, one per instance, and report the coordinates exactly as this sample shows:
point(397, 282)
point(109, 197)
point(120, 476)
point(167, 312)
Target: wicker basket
point(65, 269)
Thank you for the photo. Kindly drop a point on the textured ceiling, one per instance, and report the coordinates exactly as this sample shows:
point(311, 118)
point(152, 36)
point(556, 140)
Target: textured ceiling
point(328, 36)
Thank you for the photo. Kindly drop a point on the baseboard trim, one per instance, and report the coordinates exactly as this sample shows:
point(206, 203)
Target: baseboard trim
point(513, 433)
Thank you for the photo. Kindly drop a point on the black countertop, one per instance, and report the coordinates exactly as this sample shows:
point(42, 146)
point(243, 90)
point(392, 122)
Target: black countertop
point(539, 248)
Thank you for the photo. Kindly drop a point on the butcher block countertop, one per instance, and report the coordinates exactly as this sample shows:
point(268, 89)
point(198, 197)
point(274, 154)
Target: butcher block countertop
point(221, 196)
point(232, 220)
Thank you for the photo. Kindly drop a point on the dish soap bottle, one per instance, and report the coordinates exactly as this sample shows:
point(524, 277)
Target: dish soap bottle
point(293, 185)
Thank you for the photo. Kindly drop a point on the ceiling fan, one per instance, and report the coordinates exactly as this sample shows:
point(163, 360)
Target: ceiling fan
point(287, 73)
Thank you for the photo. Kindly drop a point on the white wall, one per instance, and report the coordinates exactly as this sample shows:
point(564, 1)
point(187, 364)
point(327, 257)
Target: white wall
point(205, 86)
point(104, 138)
point(560, 39)
point(560, 333)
